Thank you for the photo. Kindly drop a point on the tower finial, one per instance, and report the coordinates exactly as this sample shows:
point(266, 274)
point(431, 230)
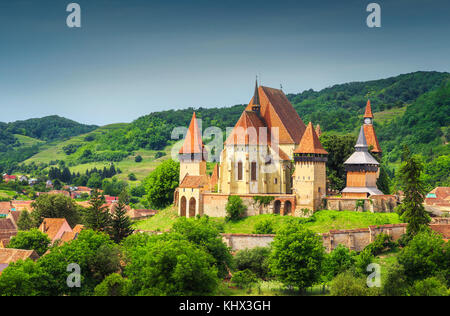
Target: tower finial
point(256, 101)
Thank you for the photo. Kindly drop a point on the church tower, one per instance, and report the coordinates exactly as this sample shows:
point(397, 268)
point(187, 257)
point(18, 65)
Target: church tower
point(369, 131)
point(193, 155)
point(310, 176)
point(362, 170)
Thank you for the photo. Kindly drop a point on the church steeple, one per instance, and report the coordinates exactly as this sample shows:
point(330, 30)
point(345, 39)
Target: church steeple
point(368, 116)
point(369, 130)
point(256, 104)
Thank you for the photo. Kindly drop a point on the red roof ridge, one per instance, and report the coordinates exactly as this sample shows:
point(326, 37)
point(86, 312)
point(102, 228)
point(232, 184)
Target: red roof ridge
point(310, 143)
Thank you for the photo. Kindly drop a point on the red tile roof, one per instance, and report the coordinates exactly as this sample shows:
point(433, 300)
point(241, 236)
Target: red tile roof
point(371, 138)
point(51, 226)
point(193, 143)
point(247, 130)
point(444, 230)
point(5, 207)
point(310, 143)
point(10, 255)
point(193, 182)
point(277, 111)
point(368, 113)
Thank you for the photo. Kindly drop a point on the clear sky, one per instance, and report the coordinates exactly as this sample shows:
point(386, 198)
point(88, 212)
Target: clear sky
point(133, 57)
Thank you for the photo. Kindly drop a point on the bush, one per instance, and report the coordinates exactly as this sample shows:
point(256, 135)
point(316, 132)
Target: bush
point(337, 262)
point(429, 287)
point(244, 279)
point(395, 283)
point(235, 208)
point(132, 177)
point(362, 261)
point(424, 256)
point(381, 243)
point(346, 284)
point(264, 227)
point(255, 260)
point(113, 285)
point(206, 234)
point(138, 158)
point(159, 154)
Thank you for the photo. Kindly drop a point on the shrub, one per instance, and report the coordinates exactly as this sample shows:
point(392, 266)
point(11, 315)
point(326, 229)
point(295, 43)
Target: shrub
point(235, 208)
point(338, 261)
point(132, 177)
point(244, 279)
point(265, 226)
point(255, 260)
point(381, 243)
point(395, 283)
point(424, 256)
point(346, 284)
point(362, 261)
point(429, 287)
point(113, 285)
point(138, 158)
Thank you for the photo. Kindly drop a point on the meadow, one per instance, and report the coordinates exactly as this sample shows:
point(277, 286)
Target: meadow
point(322, 221)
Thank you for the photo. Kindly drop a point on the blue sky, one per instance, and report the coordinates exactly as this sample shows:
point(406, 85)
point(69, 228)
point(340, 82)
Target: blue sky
point(133, 57)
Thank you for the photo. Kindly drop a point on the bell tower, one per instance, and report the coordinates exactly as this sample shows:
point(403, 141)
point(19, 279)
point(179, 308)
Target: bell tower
point(362, 171)
point(193, 155)
point(369, 131)
point(310, 175)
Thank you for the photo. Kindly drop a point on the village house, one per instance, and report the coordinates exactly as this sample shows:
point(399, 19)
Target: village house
point(8, 256)
point(8, 229)
point(438, 201)
point(271, 154)
point(7, 178)
point(55, 228)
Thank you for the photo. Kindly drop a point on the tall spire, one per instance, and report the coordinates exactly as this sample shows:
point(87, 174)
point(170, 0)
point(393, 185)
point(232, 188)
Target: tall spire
point(361, 143)
point(193, 143)
point(256, 95)
point(368, 113)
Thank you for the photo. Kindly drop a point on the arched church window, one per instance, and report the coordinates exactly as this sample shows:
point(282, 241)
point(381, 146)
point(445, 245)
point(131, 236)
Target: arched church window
point(240, 171)
point(253, 173)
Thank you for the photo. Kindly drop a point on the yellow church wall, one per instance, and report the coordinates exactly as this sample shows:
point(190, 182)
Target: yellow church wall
point(193, 168)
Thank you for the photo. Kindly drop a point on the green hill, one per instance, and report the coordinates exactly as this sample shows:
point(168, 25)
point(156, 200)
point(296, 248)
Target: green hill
point(411, 109)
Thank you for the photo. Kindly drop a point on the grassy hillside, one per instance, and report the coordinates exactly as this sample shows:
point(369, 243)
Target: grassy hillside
point(322, 222)
point(53, 152)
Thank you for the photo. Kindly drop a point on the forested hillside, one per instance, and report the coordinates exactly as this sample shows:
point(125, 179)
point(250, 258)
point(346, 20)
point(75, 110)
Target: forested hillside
point(410, 109)
point(14, 148)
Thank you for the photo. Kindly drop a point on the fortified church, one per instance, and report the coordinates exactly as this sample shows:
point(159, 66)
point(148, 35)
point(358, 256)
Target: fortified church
point(271, 155)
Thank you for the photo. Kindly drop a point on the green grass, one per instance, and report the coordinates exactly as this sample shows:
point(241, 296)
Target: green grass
point(160, 222)
point(54, 150)
point(26, 141)
point(323, 222)
point(266, 288)
point(385, 116)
